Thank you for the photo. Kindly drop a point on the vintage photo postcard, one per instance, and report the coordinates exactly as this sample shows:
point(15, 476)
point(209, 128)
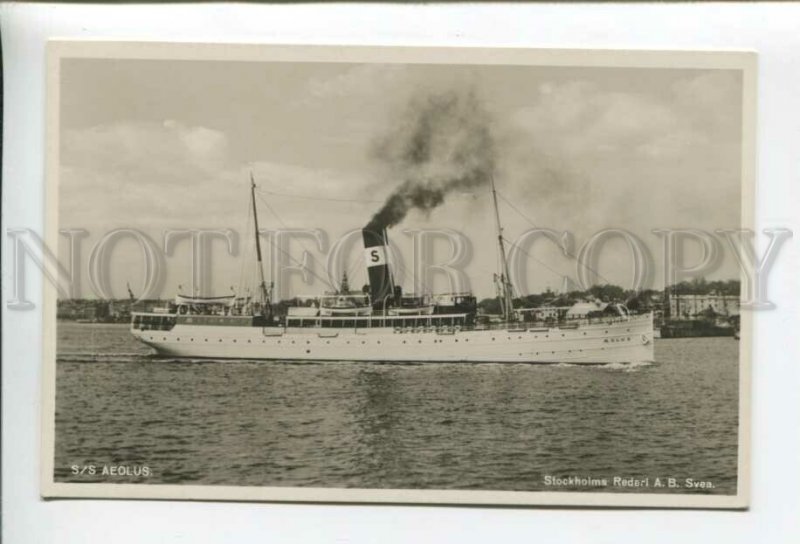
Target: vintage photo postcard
point(405, 275)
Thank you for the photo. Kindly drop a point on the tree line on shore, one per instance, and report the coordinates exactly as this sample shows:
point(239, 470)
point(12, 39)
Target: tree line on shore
point(635, 300)
point(643, 299)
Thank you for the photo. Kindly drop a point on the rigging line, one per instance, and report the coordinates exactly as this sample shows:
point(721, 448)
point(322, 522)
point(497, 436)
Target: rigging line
point(283, 224)
point(251, 272)
point(328, 199)
point(352, 200)
point(263, 200)
point(525, 217)
point(532, 257)
point(416, 282)
point(244, 260)
point(578, 260)
point(311, 271)
point(352, 268)
point(298, 262)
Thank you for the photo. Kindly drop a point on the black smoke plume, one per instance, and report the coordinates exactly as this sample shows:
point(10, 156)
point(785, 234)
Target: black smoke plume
point(443, 143)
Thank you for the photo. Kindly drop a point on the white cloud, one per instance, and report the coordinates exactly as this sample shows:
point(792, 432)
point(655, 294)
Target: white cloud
point(579, 120)
point(583, 158)
point(151, 149)
point(173, 175)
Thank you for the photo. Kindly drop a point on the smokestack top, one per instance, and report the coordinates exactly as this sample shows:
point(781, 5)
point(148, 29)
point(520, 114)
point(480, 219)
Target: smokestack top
point(373, 237)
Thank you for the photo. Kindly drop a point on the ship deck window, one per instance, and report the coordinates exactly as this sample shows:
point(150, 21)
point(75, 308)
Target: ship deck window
point(153, 322)
point(380, 321)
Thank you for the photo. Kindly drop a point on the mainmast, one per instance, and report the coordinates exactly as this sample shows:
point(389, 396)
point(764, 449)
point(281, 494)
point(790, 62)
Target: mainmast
point(506, 294)
point(263, 286)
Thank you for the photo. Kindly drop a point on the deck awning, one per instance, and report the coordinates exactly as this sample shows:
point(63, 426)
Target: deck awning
point(194, 301)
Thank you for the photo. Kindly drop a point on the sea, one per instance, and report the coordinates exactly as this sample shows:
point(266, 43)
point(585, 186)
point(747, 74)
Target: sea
point(126, 416)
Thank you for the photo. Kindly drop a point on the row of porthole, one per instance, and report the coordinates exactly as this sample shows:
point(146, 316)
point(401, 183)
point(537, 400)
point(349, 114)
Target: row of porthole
point(568, 351)
point(546, 336)
point(250, 341)
point(420, 341)
point(435, 341)
point(293, 342)
point(308, 341)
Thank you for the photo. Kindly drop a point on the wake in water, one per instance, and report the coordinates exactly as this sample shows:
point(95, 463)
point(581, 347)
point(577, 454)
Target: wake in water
point(619, 367)
point(95, 357)
point(626, 367)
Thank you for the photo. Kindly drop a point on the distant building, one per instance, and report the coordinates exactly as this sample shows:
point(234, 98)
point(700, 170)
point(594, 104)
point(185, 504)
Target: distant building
point(693, 306)
point(94, 310)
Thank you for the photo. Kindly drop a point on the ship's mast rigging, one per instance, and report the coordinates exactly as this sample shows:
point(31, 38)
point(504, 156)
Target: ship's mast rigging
point(265, 302)
point(506, 294)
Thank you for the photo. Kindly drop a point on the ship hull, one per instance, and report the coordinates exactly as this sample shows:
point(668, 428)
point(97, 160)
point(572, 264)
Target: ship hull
point(619, 341)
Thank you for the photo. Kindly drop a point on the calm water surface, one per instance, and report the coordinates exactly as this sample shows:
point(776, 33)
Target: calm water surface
point(443, 426)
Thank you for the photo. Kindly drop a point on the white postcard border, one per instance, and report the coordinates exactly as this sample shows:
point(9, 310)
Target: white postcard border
point(718, 59)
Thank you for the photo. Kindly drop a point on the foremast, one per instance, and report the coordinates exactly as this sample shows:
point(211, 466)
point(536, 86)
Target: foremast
point(264, 291)
point(505, 290)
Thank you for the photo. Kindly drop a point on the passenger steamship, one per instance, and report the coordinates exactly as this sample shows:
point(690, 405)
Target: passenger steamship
point(384, 324)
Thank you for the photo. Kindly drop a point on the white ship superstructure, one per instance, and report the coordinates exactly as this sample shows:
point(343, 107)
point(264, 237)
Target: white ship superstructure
point(383, 324)
point(406, 338)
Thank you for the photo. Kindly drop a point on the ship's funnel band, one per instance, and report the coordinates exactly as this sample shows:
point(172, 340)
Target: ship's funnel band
point(375, 256)
point(376, 259)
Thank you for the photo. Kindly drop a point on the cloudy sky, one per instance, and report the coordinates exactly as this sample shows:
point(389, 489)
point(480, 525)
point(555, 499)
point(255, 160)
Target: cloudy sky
point(161, 144)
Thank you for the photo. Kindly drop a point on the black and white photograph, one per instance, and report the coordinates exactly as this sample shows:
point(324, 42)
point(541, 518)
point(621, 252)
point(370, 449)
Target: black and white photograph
point(402, 275)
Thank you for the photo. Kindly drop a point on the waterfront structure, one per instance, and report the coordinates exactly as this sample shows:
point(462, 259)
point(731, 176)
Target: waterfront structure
point(684, 307)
